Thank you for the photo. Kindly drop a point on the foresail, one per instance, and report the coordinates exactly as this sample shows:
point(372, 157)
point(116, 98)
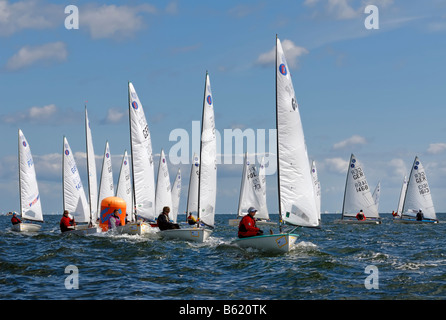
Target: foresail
point(297, 201)
point(357, 194)
point(142, 159)
point(176, 194)
point(418, 195)
point(74, 197)
point(30, 205)
point(124, 187)
point(208, 160)
point(106, 187)
point(163, 194)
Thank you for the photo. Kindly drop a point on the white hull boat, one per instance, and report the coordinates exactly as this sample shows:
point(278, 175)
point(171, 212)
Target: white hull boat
point(279, 243)
point(355, 221)
point(136, 228)
point(83, 230)
point(188, 234)
point(236, 222)
point(26, 227)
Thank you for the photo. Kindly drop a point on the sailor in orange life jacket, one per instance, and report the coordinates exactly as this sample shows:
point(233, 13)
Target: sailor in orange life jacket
point(247, 226)
point(66, 223)
point(360, 215)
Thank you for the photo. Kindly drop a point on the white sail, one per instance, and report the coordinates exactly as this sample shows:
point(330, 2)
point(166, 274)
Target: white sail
point(208, 160)
point(176, 194)
point(192, 197)
point(418, 195)
point(357, 195)
point(297, 204)
point(142, 159)
point(106, 187)
point(124, 187)
point(30, 205)
point(317, 187)
point(376, 194)
point(91, 168)
point(251, 193)
point(402, 196)
point(74, 199)
point(163, 193)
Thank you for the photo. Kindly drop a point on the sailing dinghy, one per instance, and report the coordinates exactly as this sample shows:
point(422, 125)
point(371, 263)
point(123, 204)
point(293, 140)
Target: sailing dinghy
point(74, 199)
point(401, 200)
point(253, 194)
point(91, 172)
point(142, 165)
point(207, 177)
point(297, 201)
point(357, 196)
point(30, 206)
point(418, 197)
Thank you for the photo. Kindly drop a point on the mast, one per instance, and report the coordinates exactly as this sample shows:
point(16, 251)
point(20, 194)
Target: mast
point(134, 210)
point(242, 183)
point(63, 173)
point(88, 167)
point(20, 183)
point(345, 188)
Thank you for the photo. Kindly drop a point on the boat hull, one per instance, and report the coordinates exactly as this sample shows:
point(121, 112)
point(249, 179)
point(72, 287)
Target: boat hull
point(236, 222)
point(272, 243)
point(136, 228)
point(188, 234)
point(83, 231)
point(413, 221)
point(354, 221)
point(26, 227)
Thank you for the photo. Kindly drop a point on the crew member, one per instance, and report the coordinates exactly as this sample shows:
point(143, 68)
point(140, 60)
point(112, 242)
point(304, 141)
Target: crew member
point(247, 226)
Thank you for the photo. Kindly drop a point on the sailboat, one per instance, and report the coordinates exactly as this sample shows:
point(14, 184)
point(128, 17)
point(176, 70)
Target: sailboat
point(91, 171)
point(297, 202)
point(357, 196)
point(317, 188)
point(192, 196)
point(163, 192)
point(142, 162)
point(252, 194)
point(30, 206)
point(418, 197)
point(74, 199)
point(176, 194)
point(106, 187)
point(399, 210)
point(207, 177)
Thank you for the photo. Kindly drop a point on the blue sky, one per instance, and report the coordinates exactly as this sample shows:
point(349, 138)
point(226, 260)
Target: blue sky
point(377, 93)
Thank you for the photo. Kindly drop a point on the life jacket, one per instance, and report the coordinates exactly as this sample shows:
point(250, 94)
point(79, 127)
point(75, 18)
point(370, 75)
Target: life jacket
point(247, 227)
point(65, 222)
point(15, 220)
point(360, 216)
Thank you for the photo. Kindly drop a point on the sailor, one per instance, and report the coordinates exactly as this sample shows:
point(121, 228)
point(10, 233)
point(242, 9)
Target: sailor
point(163, 220)
point(247, 226)
point(191, 219)
point(15, 219)
point(420, 215)
point(114, 220)
point(360, 216)
point(66, 223)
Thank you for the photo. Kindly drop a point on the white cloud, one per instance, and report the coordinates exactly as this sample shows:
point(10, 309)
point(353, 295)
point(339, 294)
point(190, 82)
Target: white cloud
point(336, 165)
point(32, 14)
point(399, 167)
point(436, 148)
point(110, 21)
point(292, 53)
point(46, 53)
point(49, 114)
point(354, 140)
point(114, 115)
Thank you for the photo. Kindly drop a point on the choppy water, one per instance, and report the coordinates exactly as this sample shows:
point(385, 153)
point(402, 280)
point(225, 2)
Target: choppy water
point(408, 262)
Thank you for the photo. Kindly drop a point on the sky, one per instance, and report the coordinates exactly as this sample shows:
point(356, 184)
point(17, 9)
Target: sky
point(375, 88)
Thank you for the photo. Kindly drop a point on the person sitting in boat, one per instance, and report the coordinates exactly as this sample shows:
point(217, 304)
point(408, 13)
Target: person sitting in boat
point(15, 219)
point(191, 219)
point(114, 220)
point(394, 213)
point(247, 226)
point(66, 223)
point(420, 215)
point(360, 216)
point(164, 222)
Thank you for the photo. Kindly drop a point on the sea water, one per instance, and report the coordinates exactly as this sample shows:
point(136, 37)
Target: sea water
point(337, 261)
